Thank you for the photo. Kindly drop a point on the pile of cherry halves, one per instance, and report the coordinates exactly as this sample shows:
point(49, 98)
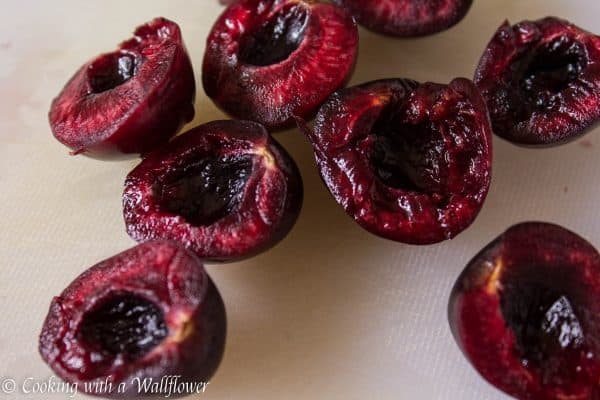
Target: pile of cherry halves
point(408, 161)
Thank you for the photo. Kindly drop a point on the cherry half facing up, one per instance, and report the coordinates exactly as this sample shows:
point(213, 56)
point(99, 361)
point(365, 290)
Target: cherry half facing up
point(526, 313)
point(148, 312)
point(272, 60)
point(225, 190)
point(541, 81)
point(409, 162)
point(130, 101)
point(407, 18)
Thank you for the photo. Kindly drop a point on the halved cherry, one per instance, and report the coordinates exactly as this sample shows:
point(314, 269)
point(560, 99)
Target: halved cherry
point(541, 81)
point(405, 18)
point(409, 162)
point(271, 60)
point(146, 313)
point(526, 313)
point(226, 190)
point(131, 100)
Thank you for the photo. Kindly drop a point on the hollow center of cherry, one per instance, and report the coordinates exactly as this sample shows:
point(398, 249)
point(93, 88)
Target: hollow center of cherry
point(204, 190)
point(549, 328)
point(111, 70)
point(276, 39)
point(409, 156)
point(550, 70)
point(124, 324)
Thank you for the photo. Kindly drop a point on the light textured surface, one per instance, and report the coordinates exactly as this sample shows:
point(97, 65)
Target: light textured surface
point(330, 313)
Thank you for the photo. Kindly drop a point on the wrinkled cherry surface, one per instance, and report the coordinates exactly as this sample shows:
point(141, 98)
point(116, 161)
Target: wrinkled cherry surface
point(206, 190)
point(525, 313)
point(272, 60)
point(149, 311)
point(541, 81)
point(130, 101)
point(406, 18)
point(226, 190)
point(124, 324)
point(552, 68)
point(412, 156)
point(409, 162)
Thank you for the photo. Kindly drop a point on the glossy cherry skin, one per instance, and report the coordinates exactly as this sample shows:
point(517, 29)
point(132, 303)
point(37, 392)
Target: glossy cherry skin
point(407, 161)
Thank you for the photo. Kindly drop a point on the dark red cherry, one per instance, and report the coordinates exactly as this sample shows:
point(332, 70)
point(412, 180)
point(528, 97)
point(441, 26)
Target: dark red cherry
point(526, 313)
point(226, 190)
point(148, 312)
point(130, 101)
point(405, 18)
point(271, 60)
point(541, 81)
point(409, 162)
